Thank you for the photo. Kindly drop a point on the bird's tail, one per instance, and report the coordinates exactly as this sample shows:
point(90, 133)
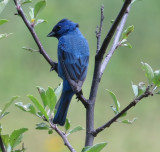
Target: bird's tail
point(63, 105)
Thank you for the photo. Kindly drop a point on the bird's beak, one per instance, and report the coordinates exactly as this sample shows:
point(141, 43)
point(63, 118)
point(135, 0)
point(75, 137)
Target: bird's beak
point(51, 34)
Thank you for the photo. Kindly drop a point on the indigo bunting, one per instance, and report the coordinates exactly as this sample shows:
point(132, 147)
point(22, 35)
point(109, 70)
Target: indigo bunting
point(73, 58)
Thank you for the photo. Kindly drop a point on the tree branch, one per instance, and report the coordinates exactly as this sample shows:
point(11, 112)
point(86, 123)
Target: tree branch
point(112, 30)
point(97, 75)
point(63, 136)
point(116, 41)
point(35, 37)
point(99, 30)
point(147, 93)
point(2, 145)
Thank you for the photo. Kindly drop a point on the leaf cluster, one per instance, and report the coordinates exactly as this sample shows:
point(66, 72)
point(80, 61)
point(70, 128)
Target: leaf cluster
point(15, 138)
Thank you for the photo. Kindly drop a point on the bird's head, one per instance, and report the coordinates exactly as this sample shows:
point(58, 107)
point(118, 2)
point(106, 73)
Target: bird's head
point(63, 27)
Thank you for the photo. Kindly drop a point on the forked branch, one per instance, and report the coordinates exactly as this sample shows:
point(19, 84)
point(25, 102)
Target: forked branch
point(116, 41)
point(112, 30)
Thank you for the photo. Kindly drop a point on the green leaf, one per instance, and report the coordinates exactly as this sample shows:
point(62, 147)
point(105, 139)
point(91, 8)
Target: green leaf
point(39, 106)
point(127, 32)
point(112, 21)
point(2, 21)
point(3, 3)
point(124, 114)
point(40, 114)
point(43, 96)
point(114, 110)
point(156, 79)
point(8, 104)
point(27, 108)
point(38, 7)
point(25, 1)
point(42, 126)
point(31, 13)
point(16, 137)
point(39, 21)
point(128, 121)
point(67, 124)
point(4, 35)
point(135, 89)
point(51, 98)
point(50, 131)
point(5, 139)
point(141, 88)
point(78, 128)
point(127, 45)
point(29, 49)
point(4, 114)
point(148, 72)
point(95, 148)
point(58, 90)
point(116, 102)
point(85, 148)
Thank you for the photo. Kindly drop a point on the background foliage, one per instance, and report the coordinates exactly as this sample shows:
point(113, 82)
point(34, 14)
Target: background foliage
point(21, 71)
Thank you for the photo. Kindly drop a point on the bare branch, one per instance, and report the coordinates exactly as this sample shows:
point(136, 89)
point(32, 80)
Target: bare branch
point(97, 76)
point(2, 145)
point(99, 30)
point(63, 136)
point(112, 30)
point(35, 37)
point(147, 93)
point(116, 41)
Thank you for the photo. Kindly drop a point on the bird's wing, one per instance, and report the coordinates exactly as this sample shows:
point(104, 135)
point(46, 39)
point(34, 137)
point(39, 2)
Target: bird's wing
point(74, 67)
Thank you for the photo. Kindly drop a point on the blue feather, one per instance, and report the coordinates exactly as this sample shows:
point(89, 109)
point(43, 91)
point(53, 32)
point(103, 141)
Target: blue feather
point(73, 52)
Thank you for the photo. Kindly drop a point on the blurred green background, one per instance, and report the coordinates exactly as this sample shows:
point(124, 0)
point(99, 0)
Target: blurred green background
point(22, 71)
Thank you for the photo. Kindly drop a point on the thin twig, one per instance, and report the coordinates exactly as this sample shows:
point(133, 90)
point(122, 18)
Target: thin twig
point(63, 136)
point(99, 29)
point(112, 30)
point(116, 41)
point(132, 104)
point(2, 145)
point(35, 37)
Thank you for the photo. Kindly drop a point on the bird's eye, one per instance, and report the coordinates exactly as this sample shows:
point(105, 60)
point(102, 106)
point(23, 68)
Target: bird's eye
point(58, 27)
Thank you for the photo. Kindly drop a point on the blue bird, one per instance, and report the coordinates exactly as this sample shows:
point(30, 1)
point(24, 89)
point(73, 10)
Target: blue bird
point(73, 58)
